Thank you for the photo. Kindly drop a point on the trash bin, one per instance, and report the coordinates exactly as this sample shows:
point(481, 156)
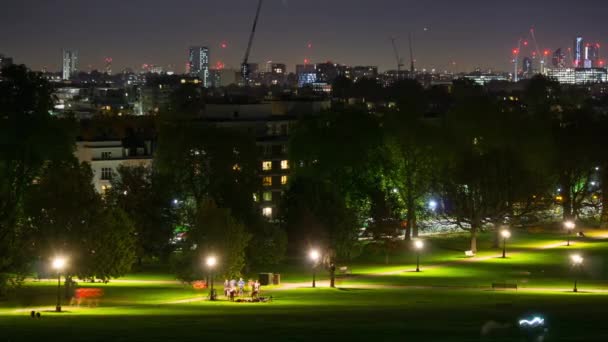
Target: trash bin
point(276, 279)
point(265, 278)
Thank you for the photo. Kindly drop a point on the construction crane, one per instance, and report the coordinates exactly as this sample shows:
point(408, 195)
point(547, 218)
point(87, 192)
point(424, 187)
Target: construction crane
point(538, 53)
point(399, 59)
point(516, 52)
point(245, 64)
point(412, 66)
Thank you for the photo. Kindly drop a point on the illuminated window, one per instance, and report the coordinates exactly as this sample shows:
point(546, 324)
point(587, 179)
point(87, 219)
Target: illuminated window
point(267, 181)
point(255, 197)
point(267, 165)
point(267, 196)
point(106, 155)
point(106, 173)
point(284, 164)
point(283, 180)
point(267, 212)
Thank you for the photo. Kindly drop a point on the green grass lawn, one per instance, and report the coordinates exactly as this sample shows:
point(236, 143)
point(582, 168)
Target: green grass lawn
point(448, 301)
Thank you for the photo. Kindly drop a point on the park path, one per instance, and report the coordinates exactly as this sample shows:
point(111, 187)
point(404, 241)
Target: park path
point(602, 235)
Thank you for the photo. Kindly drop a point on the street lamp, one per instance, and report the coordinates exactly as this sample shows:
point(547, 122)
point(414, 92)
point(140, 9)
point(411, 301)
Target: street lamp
point(577, 261)
point(314, 257)
point(58, 265)
point(569, 225)
point(418, 245)
point(211, 261)
point(505, 235)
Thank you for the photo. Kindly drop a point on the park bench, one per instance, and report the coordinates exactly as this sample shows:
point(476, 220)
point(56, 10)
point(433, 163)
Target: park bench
point(504, 286)
point(344, 270)
point(469, 253)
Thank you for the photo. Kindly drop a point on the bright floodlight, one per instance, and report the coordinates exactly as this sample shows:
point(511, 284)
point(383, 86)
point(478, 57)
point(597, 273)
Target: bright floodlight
point(314, 255)
point(432, 205)
point(569, 225)
point(505, 234)
point(577, 259)
point(211, 261)
point(419, 244)
point(59, 263)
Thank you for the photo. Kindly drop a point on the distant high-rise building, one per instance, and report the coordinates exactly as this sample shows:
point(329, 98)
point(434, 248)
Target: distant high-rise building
point(592, 55)
point(278, 68)
point(359, 72)
point(306, 74)
point(198, 64)
point(579, 52)
point(70, 64)
point(559, 59)
point(5, 61)
point(328, 72)
point(527, 66)
point(108, 61)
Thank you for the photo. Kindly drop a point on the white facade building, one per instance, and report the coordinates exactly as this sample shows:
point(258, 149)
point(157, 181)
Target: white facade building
point(106, 156)
point(69, 64)
point(579, 75)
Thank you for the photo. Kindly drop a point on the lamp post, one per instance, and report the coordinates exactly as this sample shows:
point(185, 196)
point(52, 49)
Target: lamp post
point(505, 235)
point(58, 265)
point(577, 261)
point(211, 261)
point(314, 257)
point(418, 245)
point(569, 225)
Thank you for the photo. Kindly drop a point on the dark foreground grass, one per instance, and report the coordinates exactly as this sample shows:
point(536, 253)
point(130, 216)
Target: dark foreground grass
point(323, 314)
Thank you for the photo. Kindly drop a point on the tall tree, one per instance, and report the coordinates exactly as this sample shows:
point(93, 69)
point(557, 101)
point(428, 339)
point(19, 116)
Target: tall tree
point(29, 137)
point(98, 241)
point(216, 232)
point(146, 198)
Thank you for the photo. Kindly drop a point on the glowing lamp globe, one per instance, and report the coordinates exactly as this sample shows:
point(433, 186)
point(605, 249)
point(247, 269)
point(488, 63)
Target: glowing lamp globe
point(59, 263)
point(419, 244)
point(211, 261)
point(314, 255)
point(505, 234)
point(577, 259)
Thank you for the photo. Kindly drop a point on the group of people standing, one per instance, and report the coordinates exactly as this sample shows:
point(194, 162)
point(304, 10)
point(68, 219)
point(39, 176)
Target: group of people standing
point(234, 288)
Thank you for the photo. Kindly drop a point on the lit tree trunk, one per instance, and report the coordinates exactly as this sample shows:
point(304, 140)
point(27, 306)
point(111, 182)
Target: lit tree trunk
point(496, 238)
point(474, 228)
point(604, 185)
point(411, 217)
point(332, 275)
point(68, 287)
point(566, 194)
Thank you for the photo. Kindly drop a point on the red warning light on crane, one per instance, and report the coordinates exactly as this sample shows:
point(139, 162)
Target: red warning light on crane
point(224, 45)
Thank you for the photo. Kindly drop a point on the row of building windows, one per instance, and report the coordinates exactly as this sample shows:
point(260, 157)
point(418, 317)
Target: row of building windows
point(106, 173)
point(267, 181)
point(269, 150)
point(267, 165)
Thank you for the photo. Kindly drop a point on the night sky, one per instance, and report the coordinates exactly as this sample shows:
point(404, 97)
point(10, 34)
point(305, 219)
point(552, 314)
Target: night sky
point(471, 33)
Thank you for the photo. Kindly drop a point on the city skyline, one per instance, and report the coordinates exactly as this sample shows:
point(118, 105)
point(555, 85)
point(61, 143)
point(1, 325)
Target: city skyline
point(346, 32)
